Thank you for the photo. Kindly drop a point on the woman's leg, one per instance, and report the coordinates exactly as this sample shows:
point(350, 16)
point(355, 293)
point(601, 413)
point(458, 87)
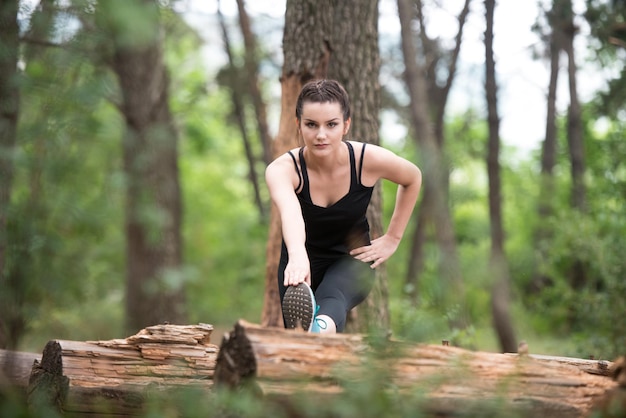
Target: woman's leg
point(324, 324)
point(282, 264)
point(346, 283)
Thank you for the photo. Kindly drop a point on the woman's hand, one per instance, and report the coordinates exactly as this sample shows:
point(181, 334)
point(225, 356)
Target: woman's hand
point(378, 252)
point(298, 270)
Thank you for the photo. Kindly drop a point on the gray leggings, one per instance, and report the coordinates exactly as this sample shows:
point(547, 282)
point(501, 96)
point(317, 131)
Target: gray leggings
point(339, 285)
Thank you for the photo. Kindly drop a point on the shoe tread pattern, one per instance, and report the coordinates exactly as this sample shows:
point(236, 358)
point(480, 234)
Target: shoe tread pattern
point(298, 307)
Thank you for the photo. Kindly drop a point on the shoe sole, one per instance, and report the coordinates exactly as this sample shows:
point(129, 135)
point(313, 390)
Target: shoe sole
point(298, 307)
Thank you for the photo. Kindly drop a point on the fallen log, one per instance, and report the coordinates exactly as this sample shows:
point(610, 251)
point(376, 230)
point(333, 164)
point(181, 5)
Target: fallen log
point(277, 362)
point(114, 376)
point(15, 367)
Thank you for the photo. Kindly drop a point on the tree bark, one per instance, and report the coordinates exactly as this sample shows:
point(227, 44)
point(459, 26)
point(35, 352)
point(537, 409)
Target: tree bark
point(233, 75)
point(306, 55)
point(499, 266)
point(545, 208)
point(116, 376)
point(575, 139)
point(435, 56)
point(432, 55)
point(150, 146)
point(252, 72)
point(549, 145)
point(416, 250)
point(11, 323)
point(434, 173)
point(355, 63)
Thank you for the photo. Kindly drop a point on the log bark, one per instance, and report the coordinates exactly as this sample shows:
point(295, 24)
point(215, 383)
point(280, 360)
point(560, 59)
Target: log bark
point(278, 362)
point(15, 367)
point(116, 376)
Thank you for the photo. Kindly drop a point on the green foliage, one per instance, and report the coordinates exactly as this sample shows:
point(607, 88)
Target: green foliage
point(606, 21)
point(65, 197)
point(591, 242)
point(224, 238)
point(13, 404)
point(366, 393)
point(132, 23)
point(223, 232)
point(562, 318)
point(68, 199)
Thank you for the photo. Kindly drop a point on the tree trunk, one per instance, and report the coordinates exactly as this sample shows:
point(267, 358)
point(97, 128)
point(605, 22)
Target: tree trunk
point(252, 73)
point(575, 139)
point(432, 165)
point(153, 201)
point(306, 54)
point(543, 231)
point(433, 55)
point(10, 315)
point(416, 259)
point(234, 77)
point(575, 126)
point(549, 146)
point(355, 63)
point(499, 264)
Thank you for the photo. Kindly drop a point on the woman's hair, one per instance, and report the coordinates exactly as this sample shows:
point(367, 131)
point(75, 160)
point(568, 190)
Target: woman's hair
point(323, 91)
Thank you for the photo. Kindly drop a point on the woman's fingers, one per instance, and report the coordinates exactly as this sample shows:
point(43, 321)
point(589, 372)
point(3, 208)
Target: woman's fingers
point(294, 278)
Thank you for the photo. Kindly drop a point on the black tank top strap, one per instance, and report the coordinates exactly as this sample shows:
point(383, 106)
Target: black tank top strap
point(354, 181)
point(295, 163)
point(304, 192)
point(361, 163)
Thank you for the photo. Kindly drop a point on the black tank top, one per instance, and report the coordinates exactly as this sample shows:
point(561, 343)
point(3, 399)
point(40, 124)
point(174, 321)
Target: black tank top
point(335, 230)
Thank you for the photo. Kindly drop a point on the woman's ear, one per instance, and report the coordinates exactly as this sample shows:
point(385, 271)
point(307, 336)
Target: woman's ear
point(346, 127)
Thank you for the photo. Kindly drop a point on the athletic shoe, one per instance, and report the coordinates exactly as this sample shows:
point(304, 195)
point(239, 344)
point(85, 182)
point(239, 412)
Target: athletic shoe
point(299, 307)
point(319, 325)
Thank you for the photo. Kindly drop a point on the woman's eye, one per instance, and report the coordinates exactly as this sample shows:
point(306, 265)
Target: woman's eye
point(310, 125)
point(332, 124)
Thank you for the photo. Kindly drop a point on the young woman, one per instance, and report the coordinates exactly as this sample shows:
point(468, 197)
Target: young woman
point(322, 191)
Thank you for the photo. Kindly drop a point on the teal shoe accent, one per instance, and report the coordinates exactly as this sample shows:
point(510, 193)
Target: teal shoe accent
point(318, 324)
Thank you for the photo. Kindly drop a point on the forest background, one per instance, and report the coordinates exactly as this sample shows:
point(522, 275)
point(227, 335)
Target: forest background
point(100, 137)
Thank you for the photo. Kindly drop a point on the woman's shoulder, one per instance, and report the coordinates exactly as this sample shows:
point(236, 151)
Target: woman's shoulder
point(283, 158)
point(360, 144)
point(293, 151)
point(375, 156)
point(289, 154)
point(366, 147)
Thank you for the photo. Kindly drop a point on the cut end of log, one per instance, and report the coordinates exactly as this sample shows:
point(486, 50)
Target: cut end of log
point(51, 358)
point(236, 362)
point(47, 385)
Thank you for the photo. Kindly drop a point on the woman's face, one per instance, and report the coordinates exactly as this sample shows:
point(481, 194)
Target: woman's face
point(322, 125)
